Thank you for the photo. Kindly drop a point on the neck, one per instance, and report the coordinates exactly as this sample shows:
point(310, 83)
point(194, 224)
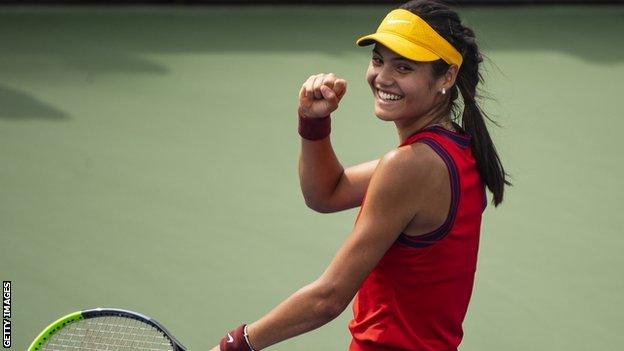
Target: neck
point(407, 128)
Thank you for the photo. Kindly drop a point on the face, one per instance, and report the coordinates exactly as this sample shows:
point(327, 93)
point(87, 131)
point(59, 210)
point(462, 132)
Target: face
point(403, 89)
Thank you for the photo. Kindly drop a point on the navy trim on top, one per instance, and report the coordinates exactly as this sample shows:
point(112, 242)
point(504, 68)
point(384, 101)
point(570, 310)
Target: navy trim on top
point(431, 238)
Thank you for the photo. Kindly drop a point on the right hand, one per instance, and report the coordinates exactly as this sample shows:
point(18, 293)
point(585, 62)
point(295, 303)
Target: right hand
point(320, 94)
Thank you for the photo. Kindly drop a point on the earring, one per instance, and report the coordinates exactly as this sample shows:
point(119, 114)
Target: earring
point(443, 91)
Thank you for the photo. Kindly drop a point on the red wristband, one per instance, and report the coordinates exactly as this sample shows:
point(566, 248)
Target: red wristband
point(314, 128)
point(235, 340)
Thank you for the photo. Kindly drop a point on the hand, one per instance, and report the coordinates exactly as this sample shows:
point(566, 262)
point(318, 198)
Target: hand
point(320, 94)
point(216, 348)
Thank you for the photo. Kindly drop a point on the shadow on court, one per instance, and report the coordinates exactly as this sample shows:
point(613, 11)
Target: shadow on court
point(21, 105)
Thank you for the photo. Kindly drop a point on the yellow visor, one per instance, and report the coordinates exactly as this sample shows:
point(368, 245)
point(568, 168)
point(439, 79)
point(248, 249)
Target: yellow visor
point(411, 37)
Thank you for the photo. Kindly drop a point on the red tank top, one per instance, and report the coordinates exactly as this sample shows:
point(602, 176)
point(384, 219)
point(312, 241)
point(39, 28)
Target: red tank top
point(417, 296)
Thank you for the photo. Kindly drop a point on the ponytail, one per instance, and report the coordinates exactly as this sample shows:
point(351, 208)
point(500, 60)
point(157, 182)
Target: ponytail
point(447, 23)
point(473, 122)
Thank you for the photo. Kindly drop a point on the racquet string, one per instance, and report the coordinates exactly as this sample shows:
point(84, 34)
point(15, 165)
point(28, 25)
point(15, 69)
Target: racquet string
point(110, 333)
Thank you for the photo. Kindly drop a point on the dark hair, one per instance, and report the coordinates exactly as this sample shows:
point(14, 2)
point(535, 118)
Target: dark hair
point(447, 23)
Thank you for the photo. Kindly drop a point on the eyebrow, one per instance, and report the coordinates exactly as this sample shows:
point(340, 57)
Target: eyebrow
point(396, 58)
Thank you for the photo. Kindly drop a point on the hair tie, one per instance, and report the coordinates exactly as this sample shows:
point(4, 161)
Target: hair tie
point(471, 103)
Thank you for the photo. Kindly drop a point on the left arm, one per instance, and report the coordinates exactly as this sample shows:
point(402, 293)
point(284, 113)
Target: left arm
point(389, 206)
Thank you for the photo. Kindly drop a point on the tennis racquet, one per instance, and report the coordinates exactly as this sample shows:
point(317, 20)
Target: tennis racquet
point(105, 329)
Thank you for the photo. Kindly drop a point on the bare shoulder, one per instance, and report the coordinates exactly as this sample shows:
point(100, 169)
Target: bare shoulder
point(405, 182)
point(412, 162)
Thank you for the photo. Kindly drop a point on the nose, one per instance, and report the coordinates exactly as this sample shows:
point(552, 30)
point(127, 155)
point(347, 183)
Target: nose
point(384, 76)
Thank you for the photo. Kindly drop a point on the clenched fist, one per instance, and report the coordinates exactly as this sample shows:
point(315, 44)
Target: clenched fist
point(320, 95)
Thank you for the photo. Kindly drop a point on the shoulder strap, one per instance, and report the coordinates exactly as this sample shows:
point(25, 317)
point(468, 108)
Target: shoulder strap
point(462, 140)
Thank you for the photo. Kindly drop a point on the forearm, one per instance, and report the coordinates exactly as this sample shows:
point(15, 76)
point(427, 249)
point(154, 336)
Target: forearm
point(319, 170)
point(307, 309)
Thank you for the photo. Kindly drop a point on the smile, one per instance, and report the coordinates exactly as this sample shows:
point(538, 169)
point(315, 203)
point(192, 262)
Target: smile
point(388, 97)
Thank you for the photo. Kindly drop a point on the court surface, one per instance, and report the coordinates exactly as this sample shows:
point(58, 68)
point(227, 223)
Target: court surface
point(149, 162)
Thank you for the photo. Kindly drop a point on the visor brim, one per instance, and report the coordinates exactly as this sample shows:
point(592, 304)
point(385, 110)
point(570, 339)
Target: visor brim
point(400, 46)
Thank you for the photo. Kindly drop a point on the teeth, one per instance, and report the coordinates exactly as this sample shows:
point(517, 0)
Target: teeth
point(387, 96)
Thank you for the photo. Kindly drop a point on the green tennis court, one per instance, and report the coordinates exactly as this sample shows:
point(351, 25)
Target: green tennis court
point(149, 162)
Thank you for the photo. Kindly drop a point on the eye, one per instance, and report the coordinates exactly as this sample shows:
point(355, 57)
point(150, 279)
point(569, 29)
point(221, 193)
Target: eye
point(376, 61)
point(403, 68)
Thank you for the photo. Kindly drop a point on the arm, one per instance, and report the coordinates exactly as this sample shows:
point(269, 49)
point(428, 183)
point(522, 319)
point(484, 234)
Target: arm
point(319, 172)
point(351, 187)
point(325, 184)
point(392, 201)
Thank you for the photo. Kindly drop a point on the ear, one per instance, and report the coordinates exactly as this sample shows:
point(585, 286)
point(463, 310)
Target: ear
point(447, 80)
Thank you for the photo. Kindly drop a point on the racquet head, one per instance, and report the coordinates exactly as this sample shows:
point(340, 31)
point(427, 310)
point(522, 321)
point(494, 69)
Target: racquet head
point(105, 329)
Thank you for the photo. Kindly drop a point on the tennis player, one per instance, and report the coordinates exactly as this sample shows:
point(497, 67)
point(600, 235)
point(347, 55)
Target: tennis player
point(412, 253)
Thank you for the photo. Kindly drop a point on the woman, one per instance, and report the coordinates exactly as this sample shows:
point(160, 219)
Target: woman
point(411, 256)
